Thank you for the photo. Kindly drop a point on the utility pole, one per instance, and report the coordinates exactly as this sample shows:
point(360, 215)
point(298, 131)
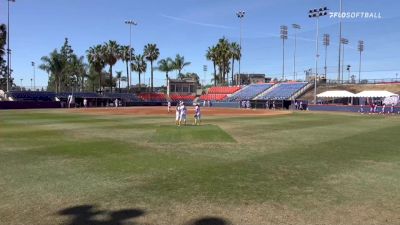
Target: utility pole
point(360, 49)
point(240, 15)
point(340, 38)
point(326, 43)
point(205, 73)
point(295, 27)
point(284, 36)
point(130, 23)
point(8, 46)
point(343, 42)
point(316, 13)
point(34, 75)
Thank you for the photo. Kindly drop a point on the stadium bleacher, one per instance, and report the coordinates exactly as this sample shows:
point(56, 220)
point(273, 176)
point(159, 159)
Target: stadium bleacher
point(219, 93)
point(64, 95)
point(283, 91)
point(153, 97)
point(223, 90)
point(213, 97)
point(32, 96)
point(250, 92)
point(127, 97)
point(176, 97)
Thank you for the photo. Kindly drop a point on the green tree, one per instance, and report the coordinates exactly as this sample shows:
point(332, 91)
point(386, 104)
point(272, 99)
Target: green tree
point(96, 61)
point(151, 53)
point(235, 54)
point(166, 65)
point(211, 55)
point(111, 54)
point(3, 67)
point(119, 77)
point(55, 66)
point(139, 65)
point(127, 55)
point(179, 63)
point(223, 58)
point(3, 40)
point(78, 69)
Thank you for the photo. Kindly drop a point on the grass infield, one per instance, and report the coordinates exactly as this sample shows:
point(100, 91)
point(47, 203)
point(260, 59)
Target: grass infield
point(58, 167)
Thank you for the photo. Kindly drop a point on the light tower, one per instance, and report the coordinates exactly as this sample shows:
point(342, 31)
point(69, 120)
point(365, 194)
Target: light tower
point(360, 49)
point(317, 13)
point(240, 15)
point(343, 42)
point(295, 27)
point(130, 23)
point(284, 36)
point(326, 42)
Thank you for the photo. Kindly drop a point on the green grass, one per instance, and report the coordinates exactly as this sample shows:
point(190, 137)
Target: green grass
point(338, 168)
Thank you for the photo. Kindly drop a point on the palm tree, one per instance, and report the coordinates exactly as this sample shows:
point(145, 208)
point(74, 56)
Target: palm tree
point(166, 65)
point(3, 40)
point(78, 68)
point(119, 77)
point(235, 54)
point(126, 56)
point(180, 63)
point(55, 66)
point(139, 65)
point(212, 55)
point(96, 60)
point(151, 53)
point(111, 54)
point(223, 58)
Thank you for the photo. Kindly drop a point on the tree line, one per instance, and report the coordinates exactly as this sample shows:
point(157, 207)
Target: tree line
point(3, 66)
point(66, 69)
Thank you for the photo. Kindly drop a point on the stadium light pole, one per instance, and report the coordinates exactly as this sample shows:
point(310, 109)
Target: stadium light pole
point(240, 15)
point(343, 42)
point(360, 49)
point(8, 46)
point(340, 38)
point(205, 74)
point(34, 75)
point(295, 27)
point(326, 43)
point(284, 36)
point(317, 13)
point(130, 23)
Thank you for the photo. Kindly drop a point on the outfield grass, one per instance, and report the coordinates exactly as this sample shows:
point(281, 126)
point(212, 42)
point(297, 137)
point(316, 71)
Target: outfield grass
point(305, 168)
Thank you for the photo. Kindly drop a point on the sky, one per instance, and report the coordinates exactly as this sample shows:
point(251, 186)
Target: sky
point(189, 27)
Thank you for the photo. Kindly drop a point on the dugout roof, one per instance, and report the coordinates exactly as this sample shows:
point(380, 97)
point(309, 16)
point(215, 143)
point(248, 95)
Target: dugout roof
point(335, 94)
point(377, 94)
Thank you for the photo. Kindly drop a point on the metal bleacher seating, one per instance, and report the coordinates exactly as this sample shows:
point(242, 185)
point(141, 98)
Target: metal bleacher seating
point(32, 96)
point(250, 92)
point(283, 91)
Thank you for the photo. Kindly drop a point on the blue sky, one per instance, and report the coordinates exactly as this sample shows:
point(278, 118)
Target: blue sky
point(188, 27)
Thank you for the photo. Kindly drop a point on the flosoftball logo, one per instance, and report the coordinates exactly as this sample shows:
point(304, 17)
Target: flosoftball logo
point(355, 15)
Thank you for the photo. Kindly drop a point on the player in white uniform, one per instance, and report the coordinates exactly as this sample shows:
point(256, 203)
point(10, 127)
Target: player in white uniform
point(182, 116)
point(177, 114)
point(169, 106)
point(197, 115)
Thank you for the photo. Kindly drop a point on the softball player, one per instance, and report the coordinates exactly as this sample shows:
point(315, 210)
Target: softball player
point(183, 112)
point(177, 114)
point(197, 115)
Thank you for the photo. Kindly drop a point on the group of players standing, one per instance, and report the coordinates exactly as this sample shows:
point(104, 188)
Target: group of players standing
point(181, 113)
